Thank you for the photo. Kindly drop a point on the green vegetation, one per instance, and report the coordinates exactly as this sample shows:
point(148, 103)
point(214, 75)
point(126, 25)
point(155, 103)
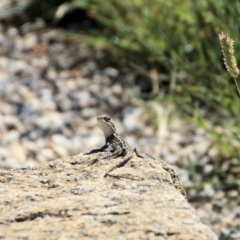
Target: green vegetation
point(179, 41)
point(175, 43)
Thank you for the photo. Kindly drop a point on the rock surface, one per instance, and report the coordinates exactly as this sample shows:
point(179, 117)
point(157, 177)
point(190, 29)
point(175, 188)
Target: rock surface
point(68, 199)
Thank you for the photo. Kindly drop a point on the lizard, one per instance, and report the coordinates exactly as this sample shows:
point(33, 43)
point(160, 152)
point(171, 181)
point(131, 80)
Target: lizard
point(116, 146)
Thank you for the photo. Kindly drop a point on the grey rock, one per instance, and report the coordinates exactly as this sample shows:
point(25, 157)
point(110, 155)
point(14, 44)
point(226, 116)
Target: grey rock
point(69, 199)
point(111, 72)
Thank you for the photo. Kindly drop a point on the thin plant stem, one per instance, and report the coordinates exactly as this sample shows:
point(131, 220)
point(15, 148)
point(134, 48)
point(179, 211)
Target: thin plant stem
point(237, 86)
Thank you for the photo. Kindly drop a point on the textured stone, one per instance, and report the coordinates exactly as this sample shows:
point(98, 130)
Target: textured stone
point(68, 199)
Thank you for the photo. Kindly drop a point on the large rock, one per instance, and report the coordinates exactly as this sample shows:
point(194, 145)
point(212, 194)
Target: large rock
point(67, 199)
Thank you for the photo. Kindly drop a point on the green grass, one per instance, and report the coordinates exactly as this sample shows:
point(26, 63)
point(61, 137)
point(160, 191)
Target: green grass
point(180, 41)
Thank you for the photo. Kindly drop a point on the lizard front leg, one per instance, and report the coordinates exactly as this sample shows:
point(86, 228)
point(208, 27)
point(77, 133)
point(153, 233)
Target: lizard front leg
point(102, 149)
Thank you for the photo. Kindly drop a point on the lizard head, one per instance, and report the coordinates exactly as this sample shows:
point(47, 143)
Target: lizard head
point(106, 125)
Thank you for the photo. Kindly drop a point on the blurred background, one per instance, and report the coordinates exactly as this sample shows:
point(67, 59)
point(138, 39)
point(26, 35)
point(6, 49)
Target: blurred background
point(154, 66)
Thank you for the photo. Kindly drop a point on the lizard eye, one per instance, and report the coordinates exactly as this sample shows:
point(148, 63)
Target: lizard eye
point(107, 119)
